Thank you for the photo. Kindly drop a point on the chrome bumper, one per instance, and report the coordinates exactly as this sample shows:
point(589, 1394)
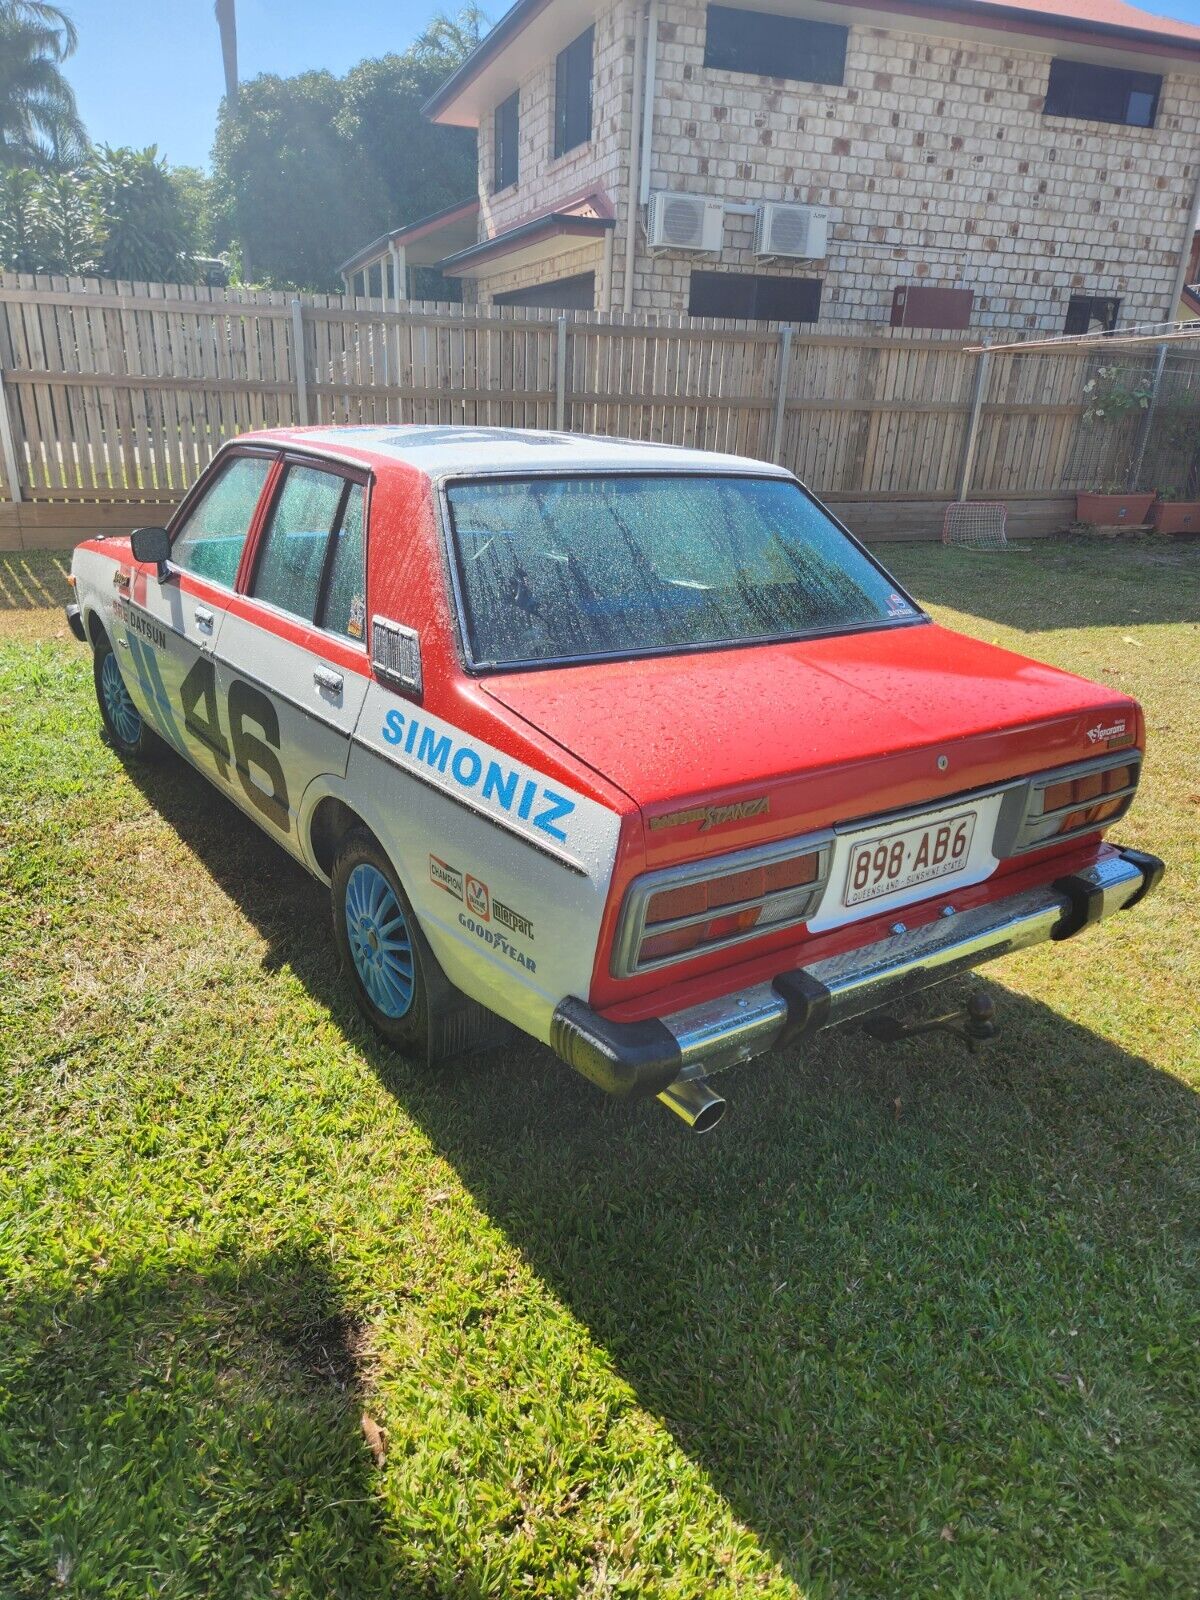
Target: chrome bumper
point(643, 1058)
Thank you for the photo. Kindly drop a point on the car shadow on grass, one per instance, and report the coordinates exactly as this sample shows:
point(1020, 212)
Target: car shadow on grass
point(917, 1315)
point(187, 1432)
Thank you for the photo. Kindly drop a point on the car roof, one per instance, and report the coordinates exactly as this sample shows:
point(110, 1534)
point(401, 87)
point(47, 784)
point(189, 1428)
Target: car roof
point(446, 451)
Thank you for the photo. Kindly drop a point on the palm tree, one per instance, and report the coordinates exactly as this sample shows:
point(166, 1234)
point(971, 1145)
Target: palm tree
point(39, 120)
point(226, 15)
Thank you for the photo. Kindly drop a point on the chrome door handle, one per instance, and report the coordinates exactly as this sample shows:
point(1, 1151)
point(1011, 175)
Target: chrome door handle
point(327, 680)
point(204, 617)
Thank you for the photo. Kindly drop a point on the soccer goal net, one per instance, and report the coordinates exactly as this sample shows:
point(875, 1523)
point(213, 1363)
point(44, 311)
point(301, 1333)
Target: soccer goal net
point(977, 524)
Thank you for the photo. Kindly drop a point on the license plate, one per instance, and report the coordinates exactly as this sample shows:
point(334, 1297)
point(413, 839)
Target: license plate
point(897, 861)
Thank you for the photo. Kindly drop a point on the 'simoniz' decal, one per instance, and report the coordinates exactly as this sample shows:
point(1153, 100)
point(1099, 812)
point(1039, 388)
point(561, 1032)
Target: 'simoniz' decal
point(498, 784)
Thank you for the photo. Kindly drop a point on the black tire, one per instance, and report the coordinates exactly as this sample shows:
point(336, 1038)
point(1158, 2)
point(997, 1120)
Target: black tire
point(127, 731)
point(413, 1030)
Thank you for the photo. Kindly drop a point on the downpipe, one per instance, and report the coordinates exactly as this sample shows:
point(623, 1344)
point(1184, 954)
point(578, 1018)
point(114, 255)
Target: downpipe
point(693, 1102)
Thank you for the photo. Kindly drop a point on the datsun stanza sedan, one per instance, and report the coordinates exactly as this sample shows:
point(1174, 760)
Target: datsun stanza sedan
point(634, 748)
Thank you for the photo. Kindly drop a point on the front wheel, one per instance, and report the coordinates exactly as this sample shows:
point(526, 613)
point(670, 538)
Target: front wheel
point(122, 720)
point(380, 944)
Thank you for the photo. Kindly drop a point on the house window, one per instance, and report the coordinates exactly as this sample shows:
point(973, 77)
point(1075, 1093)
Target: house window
point(923, 306)
point(775, 47)
point(1092, 313)
point(1102, 94)
point(573, 94)
point(563, 294)
point(754, 296)
point(505, 127)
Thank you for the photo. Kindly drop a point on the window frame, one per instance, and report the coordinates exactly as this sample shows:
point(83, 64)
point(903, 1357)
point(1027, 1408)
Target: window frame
point(1112, 74)
point(561, 99)
point(500, 181)
point(350, 474)
point(790, 24)
point(215, 469)
point(757, 278)
point(452, 558)
point(1115, 300)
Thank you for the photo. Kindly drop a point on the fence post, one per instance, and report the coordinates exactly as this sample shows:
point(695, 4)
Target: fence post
point(785, 356)
point(298, 362)
point(1143, 438)
point(560, 375)
point(8, 448)
point(978, 390)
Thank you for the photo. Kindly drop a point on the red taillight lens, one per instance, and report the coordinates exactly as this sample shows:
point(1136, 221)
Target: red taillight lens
point(687, 917)
point(1076, 791)
point(1092, 817)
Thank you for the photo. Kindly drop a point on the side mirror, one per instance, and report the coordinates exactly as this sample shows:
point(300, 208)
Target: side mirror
point(152, 545)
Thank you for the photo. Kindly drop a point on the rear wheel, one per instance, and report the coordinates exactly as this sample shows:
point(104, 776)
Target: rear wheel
point(381, 947)
point(122, 720)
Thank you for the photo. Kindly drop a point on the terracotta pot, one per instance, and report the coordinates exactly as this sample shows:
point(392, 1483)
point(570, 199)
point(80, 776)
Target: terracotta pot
point(1114, 510)
point(1177, 516)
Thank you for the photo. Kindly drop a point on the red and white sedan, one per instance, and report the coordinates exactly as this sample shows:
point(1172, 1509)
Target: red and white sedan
point(633, 747)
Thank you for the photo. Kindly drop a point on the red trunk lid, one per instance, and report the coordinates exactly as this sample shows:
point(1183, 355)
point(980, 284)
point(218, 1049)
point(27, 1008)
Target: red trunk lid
point(791, 737)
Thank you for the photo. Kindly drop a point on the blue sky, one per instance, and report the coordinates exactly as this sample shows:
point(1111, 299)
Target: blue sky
point(149, 71)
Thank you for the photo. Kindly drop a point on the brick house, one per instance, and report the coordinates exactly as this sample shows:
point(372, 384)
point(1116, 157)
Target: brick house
point(824, 160)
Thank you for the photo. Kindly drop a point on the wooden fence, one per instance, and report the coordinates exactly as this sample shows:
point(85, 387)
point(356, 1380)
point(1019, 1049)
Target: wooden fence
point(120, 393)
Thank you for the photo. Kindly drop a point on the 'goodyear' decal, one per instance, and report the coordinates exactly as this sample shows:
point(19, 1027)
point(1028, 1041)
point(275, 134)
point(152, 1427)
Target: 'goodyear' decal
point(503, 786)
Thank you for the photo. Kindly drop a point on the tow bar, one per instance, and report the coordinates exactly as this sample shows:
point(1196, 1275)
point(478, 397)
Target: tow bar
point(972, 1023)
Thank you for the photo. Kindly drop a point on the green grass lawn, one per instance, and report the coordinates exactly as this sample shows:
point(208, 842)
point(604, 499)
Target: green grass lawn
point(909, 1323)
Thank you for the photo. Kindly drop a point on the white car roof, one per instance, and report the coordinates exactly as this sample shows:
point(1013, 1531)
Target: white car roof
point(448, 451)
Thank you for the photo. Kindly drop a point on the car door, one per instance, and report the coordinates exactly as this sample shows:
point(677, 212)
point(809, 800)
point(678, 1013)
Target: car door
point(292, 666)
point(171, 626)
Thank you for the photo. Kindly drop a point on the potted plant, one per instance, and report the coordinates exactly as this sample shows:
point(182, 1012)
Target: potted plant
point(1178, 510)
point(1112, 399)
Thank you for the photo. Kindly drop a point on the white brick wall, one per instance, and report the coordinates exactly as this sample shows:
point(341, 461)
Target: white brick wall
point(933, 156)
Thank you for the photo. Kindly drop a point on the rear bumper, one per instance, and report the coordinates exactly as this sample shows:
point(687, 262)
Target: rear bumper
point(642, 1058)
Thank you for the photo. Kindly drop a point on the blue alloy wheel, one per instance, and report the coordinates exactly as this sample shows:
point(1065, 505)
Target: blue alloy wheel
point(122, 712)
point(379, 940)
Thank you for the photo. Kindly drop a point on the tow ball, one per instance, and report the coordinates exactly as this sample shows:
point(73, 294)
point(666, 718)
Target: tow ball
point(972, 1023)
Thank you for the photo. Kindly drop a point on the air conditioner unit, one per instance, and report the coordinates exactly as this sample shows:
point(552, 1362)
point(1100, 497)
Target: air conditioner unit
point(684, 222)
point(786, 230)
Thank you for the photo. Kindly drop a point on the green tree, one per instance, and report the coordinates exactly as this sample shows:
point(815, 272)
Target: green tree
point(148, 234)
point(306, 169)
point(39, 121)
point(281, 180)
point(194, 189)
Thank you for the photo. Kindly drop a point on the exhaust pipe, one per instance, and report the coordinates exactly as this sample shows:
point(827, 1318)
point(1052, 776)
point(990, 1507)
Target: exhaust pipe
point(694, 1101)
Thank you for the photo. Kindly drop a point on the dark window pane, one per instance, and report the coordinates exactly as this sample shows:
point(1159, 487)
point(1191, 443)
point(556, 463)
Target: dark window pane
point(569, 567)
point(1092, 313)
point(211, 540)
point(345, 609)
point(754, 295)
point(1102, 94)
point(504, 167)
point(292, 557)
point(775, 47)
point(573, 94)
point(563, 294)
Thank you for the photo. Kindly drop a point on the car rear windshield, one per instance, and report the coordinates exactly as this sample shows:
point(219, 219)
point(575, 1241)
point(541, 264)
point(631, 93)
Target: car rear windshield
point(572, 568)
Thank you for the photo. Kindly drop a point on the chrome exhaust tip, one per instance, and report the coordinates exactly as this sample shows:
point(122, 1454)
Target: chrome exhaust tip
point(693, 1101)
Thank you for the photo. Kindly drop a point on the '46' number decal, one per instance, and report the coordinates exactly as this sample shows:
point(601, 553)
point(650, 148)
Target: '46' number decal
point(253, 733)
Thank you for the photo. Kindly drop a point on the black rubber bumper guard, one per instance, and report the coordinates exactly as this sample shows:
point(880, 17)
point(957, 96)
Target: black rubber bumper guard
point(639, 1059)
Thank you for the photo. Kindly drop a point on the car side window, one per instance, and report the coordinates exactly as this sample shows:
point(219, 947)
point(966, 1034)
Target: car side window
point(345, 607)
point(292, 559)
point(210, 542)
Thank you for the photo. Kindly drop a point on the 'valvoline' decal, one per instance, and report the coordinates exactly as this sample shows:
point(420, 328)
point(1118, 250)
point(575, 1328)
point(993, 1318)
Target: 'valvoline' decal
point(502, 786)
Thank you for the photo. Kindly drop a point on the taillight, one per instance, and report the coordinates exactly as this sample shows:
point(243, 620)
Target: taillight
point(706, 905)
point(1072, 800)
